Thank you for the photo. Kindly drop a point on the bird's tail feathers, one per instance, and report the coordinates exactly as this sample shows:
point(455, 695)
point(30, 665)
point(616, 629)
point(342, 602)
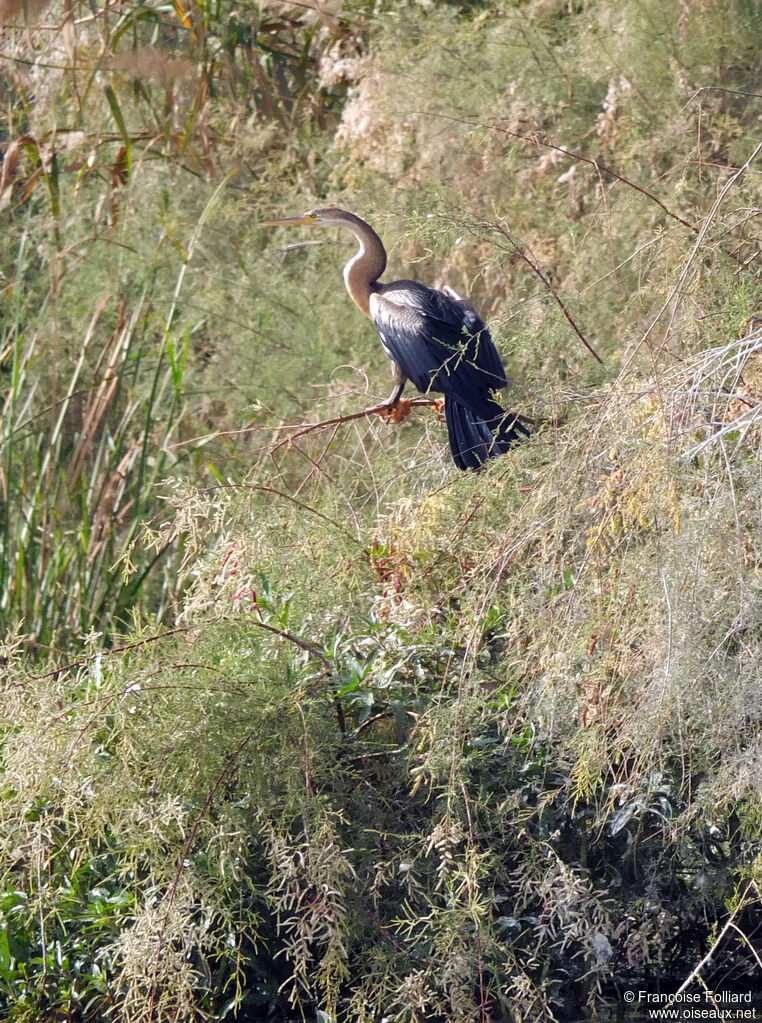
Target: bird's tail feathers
point(475, 438)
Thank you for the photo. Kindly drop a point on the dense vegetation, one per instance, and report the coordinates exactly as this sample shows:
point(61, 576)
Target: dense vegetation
point(296, 718)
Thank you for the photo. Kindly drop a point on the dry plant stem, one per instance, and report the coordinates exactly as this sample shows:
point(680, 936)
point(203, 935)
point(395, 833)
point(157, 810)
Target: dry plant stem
point(374, 410)
point(115, 650)
point(729, 925)
point(484, 1014)
point(106, 700)
point(694, 252)
point(301, 428)
point(297, 642)
point(609, 234)
point(283, 633)
point(307, 776)
point(316, 467)
point(186, 852)
point(599, 167)
point(746, 941)
point(535, 269)
point(287, 497)
point(203, 437)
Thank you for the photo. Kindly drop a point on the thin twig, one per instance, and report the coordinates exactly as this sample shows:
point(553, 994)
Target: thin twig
point(599, 167)
point(302, 505)
point(296, 641)
point(283, 633)
point(729, 925)
point(746, 941)
point(484, 1016)
point(535, 268)
point(107, 653)
point(374, 410)
point(171, 895)
point(677, 289)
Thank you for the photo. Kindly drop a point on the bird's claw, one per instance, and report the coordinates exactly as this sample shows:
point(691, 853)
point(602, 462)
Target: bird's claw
point(396, 413)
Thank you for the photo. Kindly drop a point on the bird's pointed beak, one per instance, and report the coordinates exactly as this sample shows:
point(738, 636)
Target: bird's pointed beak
point(289, 221)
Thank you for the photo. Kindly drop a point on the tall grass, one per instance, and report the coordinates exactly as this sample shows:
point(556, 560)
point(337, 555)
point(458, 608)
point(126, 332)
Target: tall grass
point(95, 345)
point(75, 499)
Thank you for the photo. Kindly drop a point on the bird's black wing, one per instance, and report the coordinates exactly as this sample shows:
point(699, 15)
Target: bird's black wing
point(440, 343)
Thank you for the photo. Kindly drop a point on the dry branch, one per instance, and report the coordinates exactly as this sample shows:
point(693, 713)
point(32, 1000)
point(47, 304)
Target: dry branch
point(557, 298)
point(303, 428)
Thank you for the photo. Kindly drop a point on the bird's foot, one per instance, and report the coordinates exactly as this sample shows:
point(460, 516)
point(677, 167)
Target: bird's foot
point(396, 413)
point(439, 405)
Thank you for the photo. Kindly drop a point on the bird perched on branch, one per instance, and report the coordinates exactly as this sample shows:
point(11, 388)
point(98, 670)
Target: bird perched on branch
point(434, 338)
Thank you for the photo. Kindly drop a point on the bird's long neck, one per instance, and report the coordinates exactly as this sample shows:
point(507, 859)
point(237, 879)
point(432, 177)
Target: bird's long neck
point(366, 266)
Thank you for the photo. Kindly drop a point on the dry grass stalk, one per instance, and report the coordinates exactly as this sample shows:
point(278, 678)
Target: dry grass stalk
point(24, 12)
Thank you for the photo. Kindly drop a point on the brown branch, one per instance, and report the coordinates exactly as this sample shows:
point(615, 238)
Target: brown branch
point(600, 167)
point(107, 653)
point(297, 642)
point(213, 436)
point(283, 633)
point(303, 428)
point(535, 268)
